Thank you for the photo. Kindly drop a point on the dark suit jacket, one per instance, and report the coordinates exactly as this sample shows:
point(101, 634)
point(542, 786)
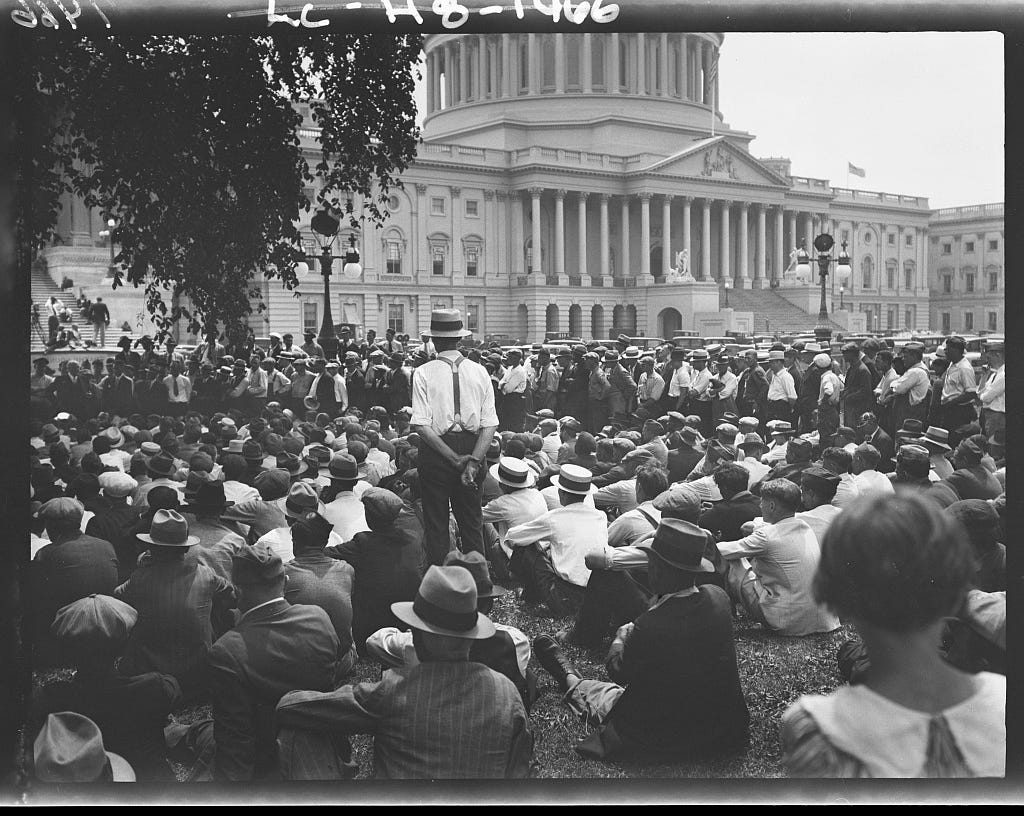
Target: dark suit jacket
point(884, 443)
point(857, 396)
point(683, 690)
point(752, 391)
point(729, 515)
point(272, 650)
point(681, 462)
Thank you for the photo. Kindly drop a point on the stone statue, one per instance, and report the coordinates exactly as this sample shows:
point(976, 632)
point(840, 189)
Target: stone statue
point(681, 271)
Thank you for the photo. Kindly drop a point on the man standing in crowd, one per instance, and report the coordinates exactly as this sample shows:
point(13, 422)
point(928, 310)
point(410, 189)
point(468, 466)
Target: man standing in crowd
point(99, 316)
point(992, 395)
point(453, 414)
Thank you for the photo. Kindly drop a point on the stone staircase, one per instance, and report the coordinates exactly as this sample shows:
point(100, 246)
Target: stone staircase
point(772, 312)
point(42, 288)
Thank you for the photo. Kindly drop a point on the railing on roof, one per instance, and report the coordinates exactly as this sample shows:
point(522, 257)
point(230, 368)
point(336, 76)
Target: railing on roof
point(882, 198)
point(971, 211)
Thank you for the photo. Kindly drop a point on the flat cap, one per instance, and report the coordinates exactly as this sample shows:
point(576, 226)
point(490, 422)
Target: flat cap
point(913, 453)
point(116, 484)
point(680, 499)
point(848, 348)
point(817, 478)
point(63, 509)
point(974, 513)
point(256, 564)
point(272, 484)
point(381, 504)
point(95, 621)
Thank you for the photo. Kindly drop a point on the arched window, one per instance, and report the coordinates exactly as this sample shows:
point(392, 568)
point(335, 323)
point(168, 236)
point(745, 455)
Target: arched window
point(522, 322)
point(618, 319)
point(597, 322)
point(631, 319)
point(867, 268)
point(394, 249)
point(597, 79)
point(575, 320)
point(551, 318)
point(572, 62)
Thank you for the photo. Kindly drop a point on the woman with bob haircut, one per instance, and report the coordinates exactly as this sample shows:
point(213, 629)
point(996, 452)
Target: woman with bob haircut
point(896, 567)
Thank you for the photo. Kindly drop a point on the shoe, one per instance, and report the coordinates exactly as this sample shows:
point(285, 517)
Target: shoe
point(563, 638)
point(552, 659)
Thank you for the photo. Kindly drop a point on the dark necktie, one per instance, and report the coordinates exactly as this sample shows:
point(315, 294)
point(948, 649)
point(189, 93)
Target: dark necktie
point(175, 386)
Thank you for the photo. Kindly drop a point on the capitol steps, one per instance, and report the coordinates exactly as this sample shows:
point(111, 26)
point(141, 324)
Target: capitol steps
point(42, 288)
point(772, 312)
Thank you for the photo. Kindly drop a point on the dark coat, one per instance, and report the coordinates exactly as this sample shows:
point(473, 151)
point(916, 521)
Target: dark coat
point(272, 650)
point(682, 461)
point(727, 516)
point(857, 397)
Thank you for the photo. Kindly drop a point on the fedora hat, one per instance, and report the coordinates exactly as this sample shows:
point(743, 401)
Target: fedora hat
point(776, 355)
point(114, 436)
point(162, 464)
point(318, 456)
point(169, 529)
point(688, 435)
point(195, 480)
point(209, 495)
point(344, 467)
point(234, 446)
point(513, 472)
point(292, 463)
point(680, 545)
point(937, 437)
point(574, 479)
point(445, 604)
point(477, 566)
point(312, 403)
point(301, 501)
point(752, 440)
point(253, 452)
point(69, 748)
point(447, 323)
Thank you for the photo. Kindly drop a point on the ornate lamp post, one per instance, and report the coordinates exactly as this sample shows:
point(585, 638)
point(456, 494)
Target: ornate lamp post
point(842, 289)
point(823, 244)
point(728, 286)
point(108, 233)
point(326, 225)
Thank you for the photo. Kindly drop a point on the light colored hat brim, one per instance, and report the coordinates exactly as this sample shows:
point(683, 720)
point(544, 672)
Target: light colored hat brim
point(120, 770)
point(483, 629)
point(589, 492)
point(531, 477)
point(926, 442)
point(191, 541)
point(456, 333)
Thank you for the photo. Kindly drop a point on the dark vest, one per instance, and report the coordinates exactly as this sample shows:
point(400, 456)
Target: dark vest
point(498, 652)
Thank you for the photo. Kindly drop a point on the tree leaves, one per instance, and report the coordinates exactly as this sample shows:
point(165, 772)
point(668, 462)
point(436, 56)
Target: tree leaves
point(191, 143)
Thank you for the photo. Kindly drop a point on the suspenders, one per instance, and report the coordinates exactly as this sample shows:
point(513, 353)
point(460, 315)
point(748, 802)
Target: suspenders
point(457, 425)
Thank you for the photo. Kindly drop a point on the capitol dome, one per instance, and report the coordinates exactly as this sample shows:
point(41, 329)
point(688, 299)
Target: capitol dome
point(511, 91)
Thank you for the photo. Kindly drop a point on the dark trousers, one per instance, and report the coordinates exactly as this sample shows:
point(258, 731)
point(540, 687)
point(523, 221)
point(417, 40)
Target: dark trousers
point(702, 408)
point(778, 409)
point(513, 409)
point(597, 415)
point(542, 584)
point(610, 600)
point(440, 487)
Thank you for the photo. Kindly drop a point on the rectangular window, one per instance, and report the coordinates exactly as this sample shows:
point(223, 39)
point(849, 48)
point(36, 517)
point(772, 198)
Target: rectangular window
point(437, 206)
point(890, 278)
point(908, 275)
point(993, 281)
point(968, 246)
point(396, 317)
point(438, 266)
point(394, 258)
point(472, 208)
point(909, 240)
point(472, 262)
point(968, 321)
point(947, 284)
point(993, 321)
point(892, 239)
point(993, 246)
point(473, 317)
point(945, 321)
point(969, 283)
point(908, 319)
point(947, 249)
point(890, 319)
point(597, 64)
point(845, 237)
point(309, 317)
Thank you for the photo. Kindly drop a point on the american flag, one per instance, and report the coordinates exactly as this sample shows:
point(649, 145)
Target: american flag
point(713, 70)
point(854, 170)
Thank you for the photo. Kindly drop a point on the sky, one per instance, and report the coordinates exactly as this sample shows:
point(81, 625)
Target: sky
point(920, 112)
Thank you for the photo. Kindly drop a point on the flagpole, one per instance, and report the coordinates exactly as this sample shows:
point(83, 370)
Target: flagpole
point(714, 101)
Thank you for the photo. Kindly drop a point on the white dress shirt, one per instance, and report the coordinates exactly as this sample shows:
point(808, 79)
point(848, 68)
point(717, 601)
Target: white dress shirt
point(618, 494)
point(632, 526)
point(550, 444)
point(567, 534)
point(184, 388)
point(873, 483)
point(395, 649)
point(993, 391)
point(679, 382)
point(846, 491)
point(512, 509)
point(514, 381)
point(959, 380)
point(700, 382)
point(914, 382)
point(347, 515)
point(433, 400)
point(781, 386)
point(830, 388)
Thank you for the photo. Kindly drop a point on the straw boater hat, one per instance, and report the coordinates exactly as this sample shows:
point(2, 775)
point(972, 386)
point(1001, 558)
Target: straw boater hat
point(445, 604)
point(447, 323)
point(574, 479)
point(513, 472)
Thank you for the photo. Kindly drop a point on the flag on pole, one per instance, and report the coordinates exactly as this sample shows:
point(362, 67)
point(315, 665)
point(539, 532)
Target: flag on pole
point(854, 170)
point(710, 77)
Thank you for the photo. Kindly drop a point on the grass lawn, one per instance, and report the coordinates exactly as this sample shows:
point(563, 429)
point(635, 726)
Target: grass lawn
point(774, 671)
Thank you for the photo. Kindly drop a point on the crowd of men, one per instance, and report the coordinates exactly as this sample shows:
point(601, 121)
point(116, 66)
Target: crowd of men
point(239, 526)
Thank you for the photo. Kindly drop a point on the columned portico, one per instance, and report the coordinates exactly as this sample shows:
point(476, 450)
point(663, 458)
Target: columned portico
point(687, 201)
point(705, 240)
point(582, 233)
point(724, 268)
point(666, 232)
point(559, 232)
point(645, 234)
point(744, 270)
point(759, 253)
point(604, 234)
point(536, 255)
point(623, 268)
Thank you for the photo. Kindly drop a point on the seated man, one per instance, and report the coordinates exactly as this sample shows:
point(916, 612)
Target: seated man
point(738, 506)
point(275, 648)
point(675, 686)
point(748, 454)
point(818, 489)
point(520, 501)
point(684, 458)
point(770, 571)
point(640, 521)
point(548, 553)
point(866, 474)
point(507, 651)
point(446, 717)
point(388, 560)
point(839, 461)
point(798, 459)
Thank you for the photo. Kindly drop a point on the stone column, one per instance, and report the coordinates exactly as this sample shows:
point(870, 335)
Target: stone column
point(704, 66)
point(780, 247)
point(501, 220)
point(612, 65)
point(641, 65)
point(582, 234)
point(663, 90)
point(518, 253)
point(809, 234)
point(534, 57)
point(645, 234)
point(430, 84)
point(743, 249)
point(448, 75)
point(586, 69)
point(792, 236)
point(604, 232)
point(495, 62)
point(624, 242)
point(760, 253)
point(559, 232)
point(666, 229)
point(723, 260)
point(682, 71)
point(687, 201)
point(560, 63)
point(463, 70)
point(705, 240)
point(507, 72)
point(537, 254)
point(481, 67)
point(419, 237)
